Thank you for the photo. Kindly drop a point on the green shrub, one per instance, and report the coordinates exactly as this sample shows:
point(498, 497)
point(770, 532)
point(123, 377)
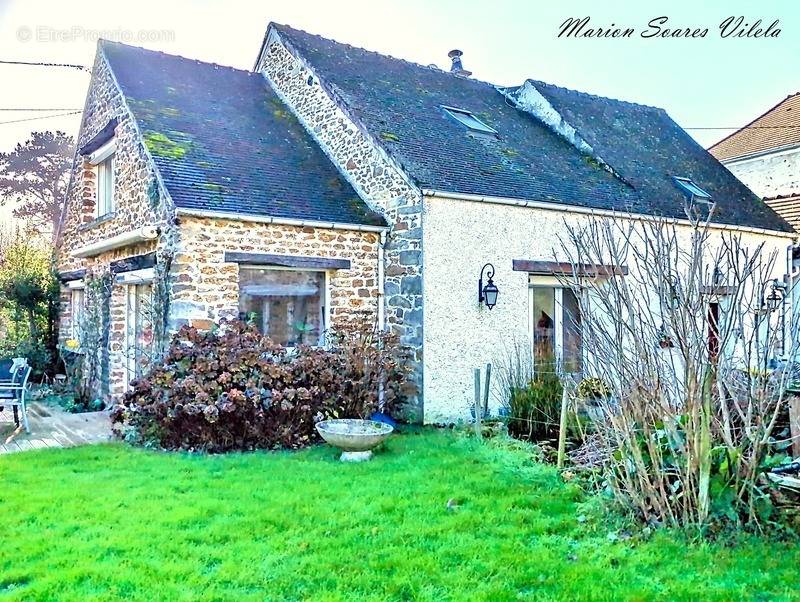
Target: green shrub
point(235, 389)
point(535, 409)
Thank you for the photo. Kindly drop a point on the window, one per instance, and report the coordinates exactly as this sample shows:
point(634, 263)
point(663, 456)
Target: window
point(555, 322)
point(468, 119)
point(139, 329)
point(77, 311)
point(287, 305)
point(692, 189)
point(103, 161)
point(105, 186)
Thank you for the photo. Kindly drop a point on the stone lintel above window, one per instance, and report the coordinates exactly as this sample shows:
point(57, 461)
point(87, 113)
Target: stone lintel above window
point(717, 290)
point(134, 263)
point(287, 261)
point(556, 268)
point(100, 138)
point(72, 275)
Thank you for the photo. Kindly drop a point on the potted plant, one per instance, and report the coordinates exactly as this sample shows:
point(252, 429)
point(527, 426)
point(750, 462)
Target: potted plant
point(594, 393)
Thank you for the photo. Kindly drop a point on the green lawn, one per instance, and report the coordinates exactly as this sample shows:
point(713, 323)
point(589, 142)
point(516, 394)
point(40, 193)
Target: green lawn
point(111, 522)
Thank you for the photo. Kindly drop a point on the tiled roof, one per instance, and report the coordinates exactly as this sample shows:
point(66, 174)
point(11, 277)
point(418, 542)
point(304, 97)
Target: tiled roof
point(400, 104)
point(647, 148)
point(788, 207)
point(777, 128)
point(223, 141)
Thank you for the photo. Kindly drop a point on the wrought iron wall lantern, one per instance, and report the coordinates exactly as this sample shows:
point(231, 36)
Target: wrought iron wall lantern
point(774, 300)
point(487, 294)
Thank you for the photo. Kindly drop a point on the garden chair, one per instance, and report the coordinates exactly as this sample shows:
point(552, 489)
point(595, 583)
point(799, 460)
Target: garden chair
point(13, 392)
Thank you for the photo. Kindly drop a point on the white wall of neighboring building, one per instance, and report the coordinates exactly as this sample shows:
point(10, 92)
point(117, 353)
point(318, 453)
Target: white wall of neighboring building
point(459, 333)
point(770, 175)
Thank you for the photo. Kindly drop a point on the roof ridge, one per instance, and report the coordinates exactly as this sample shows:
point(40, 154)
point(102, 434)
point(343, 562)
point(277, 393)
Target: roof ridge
point(282, 26)
point(104, 42)
point(600, 96)
point(431, 67)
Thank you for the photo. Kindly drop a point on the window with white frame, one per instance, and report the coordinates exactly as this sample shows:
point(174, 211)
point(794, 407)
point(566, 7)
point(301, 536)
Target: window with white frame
point(105, 186)
point(103, 161)
point(139, 314)
point(77, 311)
point(287, 305)
point(469, 120)
point(555, 325)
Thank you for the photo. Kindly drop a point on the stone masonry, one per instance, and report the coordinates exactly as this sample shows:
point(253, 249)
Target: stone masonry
point(379, 181)
point(206, 288)
point(138, 201)
point(201, 287)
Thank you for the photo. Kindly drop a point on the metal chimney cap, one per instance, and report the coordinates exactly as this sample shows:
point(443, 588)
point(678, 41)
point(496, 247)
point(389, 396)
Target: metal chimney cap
point(454, 53)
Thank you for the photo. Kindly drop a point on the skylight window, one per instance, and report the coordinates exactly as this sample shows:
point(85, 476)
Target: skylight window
point(692, 189)
point(469, 120)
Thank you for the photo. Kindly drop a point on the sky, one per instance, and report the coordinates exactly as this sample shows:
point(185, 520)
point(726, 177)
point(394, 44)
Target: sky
point(708, 82)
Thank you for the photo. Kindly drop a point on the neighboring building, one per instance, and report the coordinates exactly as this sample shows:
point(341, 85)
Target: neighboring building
point(765, 155)
point(334, 180)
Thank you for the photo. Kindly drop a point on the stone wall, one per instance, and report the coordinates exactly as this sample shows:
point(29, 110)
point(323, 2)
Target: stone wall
point(378, 180)
point(206, 288)
point(139, 201)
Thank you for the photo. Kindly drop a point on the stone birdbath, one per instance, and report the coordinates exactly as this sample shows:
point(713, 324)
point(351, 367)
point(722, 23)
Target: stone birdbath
point(356, 438)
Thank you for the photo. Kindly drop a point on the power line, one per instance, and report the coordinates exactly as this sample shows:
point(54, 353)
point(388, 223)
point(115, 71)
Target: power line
point(37, 109)
point(33, 64)
point(748, 127)
point(35, 118)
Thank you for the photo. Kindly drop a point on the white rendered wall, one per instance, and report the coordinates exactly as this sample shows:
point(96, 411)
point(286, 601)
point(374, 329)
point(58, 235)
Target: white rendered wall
point(459, 334)
point(776, 174)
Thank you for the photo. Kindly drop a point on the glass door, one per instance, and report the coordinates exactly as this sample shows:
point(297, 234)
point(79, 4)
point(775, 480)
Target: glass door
point(139, 330)
point(555, 327)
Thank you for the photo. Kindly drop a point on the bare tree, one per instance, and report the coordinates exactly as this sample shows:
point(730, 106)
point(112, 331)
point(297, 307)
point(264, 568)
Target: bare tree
point(696, 348)
point(34, 175)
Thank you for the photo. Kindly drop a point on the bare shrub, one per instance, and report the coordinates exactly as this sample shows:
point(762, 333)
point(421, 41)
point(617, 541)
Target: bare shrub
point(693, 352)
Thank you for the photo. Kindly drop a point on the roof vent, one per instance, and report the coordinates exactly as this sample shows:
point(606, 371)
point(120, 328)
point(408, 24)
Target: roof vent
point(457, 67)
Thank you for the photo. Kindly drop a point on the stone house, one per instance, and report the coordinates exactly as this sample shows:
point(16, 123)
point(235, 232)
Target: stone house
point(765, 155)
point(333, 180)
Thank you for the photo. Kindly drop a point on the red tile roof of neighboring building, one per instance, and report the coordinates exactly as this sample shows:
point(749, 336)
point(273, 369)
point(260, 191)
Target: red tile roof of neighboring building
point(779, 127)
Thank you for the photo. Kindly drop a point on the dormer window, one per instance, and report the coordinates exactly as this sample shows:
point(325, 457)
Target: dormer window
point(103, 161)
point(469, 120)
point(692, 190)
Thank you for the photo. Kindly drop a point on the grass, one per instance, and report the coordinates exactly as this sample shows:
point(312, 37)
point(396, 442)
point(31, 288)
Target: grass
point(111, 522)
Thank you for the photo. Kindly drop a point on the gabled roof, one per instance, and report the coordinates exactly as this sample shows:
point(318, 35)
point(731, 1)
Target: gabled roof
point(400, 104)
point(647, 148)
point(778, 128)
point(223, 141)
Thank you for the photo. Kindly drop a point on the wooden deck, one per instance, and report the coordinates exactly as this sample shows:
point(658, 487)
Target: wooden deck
point(52, 427)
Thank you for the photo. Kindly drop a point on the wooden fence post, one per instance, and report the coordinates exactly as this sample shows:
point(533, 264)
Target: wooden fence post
point(794, 424)
point(478, 408)
point(562, 429)
point(486, 388)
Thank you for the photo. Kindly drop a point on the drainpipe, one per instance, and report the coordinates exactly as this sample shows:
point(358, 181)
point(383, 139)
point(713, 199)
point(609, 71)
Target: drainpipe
point(788, 297)
point(381, 308)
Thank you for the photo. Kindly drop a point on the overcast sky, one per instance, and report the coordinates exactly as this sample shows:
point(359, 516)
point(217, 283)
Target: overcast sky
point(706, 82)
